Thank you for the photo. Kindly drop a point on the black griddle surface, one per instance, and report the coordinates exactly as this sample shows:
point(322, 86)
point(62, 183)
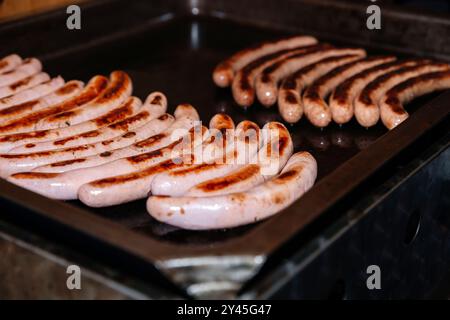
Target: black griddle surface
point(177, 57)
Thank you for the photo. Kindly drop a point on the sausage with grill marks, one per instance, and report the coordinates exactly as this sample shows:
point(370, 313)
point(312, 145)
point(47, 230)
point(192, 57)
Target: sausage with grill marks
point(267, 82)
point(290, 103)
point(391, 106)
point(101, 151)
point(117, 92)
point(316, 109)
point(249, 175)
point(32, 93)
point(116, 135)
point(23, 84)
point(9, 63)
point(367, 111)
point(186, 117)
point(235, 209)
point(123, 111)
point(18, 162)
point(224, 73)
point(10, 115)
point(243, 86)
point(342, 98)
point(24, 125)
point(136, 185)
point(65, 185)
point(28, 67)
point(238, 150)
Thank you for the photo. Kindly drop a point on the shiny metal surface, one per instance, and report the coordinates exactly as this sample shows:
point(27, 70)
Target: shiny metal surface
point(165, 47)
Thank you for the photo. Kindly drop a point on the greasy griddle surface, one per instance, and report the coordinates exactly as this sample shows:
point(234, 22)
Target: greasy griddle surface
point(177, 58)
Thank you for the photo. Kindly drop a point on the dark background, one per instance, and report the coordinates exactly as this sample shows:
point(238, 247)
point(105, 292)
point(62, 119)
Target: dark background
point(432, 5)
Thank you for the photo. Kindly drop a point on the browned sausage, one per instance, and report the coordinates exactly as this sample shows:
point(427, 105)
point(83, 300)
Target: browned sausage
point(391, 106)
point(316, 109)
point(290, 104)
point(224, 72)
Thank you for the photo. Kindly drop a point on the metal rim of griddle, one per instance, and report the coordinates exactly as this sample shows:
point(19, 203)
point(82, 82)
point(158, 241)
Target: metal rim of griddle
point(253, 247)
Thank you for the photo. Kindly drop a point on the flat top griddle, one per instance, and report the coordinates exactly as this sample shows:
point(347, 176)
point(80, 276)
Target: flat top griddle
point(176, 53)
point(181, 68)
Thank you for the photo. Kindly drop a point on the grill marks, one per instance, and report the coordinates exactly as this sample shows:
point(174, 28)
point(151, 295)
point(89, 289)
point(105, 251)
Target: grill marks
point(67, 89)
point(157, 100)
point(112, 116)
point(153, 170)
point(286, 176)
point(20, 108)
point(115, 114)
point(404, 86)
point(243, 84)
point(313, 91)
point(290, 104)
point(145, 156)
point(129, 135)
point(317, 109)
point(119, 84)
point(23, 136)
point(41, 154)
point(296, 67)
point(366, 94)
point(151, 141)
point(245, 80)
point(20, 83)
point(217, 184)
point(368, 103)
point(96, 85)
point(90, 93)
point(341, 93)
point(124, 124)
point(89, 134)
point(34, 175)
point(391, 106)
point(67, 162)
point(224, 72)
point(282, 145)
point(267, 72)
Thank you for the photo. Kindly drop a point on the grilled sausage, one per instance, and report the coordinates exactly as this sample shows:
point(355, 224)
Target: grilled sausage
point(115, 135)
point(391, 107)
point(341, 101)
point(27, 123)
point(103, 149)
point(238, 150)
point(226, 211)
point(316, 109)
point(249, 175)
point(243, 86)
point(23, 84)
point(19, 111)
point(11, 163)
point(136, 185)
point(267, 81)
point(221, 122)
point(117, 92)
point(32, 93)
point(367, 111)
point(186, 117)
point(224, 73)
point(117, 114)
point(27, 68)
point(65, 185)
point(290, 103)
point(9, 63)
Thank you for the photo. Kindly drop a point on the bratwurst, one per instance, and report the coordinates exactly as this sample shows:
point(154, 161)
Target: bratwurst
point(224, 73)
point(232, 210)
